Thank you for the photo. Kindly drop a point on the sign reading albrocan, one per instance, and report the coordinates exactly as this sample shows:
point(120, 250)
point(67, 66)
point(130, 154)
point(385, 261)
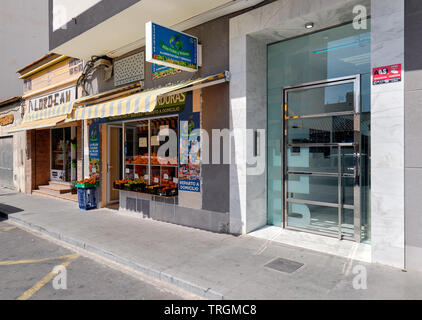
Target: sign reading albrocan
point(52, 99)
point(171, 48)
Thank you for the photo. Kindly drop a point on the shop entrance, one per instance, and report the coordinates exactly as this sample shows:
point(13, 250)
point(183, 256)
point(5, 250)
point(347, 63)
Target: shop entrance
point(321, 157)
point(114, 166)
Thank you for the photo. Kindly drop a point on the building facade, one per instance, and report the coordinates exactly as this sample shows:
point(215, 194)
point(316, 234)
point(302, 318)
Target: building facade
point(53, 160)
point(320, 103)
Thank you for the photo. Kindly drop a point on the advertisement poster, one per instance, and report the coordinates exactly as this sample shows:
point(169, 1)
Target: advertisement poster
point(171, 48)
point(159, 72)
point(190, 157)
point(387, 74)
point(94, 150)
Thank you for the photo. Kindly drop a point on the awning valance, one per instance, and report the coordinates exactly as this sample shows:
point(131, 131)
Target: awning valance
point(55, 111)
point(144, 101)
point(39, 124)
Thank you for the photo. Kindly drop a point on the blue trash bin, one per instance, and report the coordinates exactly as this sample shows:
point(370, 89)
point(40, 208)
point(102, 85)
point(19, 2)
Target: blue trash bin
point(87, 199)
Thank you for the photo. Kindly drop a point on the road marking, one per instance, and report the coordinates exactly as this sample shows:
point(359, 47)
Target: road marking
point(30, 292)
point(10, 263)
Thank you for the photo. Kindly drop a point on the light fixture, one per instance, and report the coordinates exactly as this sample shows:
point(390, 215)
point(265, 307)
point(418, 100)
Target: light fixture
point(309, 25)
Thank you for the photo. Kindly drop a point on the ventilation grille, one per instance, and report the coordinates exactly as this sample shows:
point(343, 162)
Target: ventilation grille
point(129, 69)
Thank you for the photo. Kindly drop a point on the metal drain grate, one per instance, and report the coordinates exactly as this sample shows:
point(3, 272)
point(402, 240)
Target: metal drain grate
point(284, 265)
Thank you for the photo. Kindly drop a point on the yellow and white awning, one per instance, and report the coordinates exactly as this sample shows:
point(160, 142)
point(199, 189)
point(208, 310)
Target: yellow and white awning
point(39, 124)
point(55, 111)
point(142, 102)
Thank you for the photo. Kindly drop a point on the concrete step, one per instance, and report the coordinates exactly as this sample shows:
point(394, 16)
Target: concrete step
point(55, 189)
point(66, 196)
point(60, 183)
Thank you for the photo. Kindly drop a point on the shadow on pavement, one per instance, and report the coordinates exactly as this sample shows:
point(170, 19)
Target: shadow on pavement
point(5, 210)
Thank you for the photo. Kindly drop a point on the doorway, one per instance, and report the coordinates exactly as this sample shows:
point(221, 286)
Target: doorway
point(322, 157)
point(6, 162)
point(114, 163)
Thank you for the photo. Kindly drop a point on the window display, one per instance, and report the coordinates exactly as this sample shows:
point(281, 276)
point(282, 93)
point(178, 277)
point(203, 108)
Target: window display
point(61, 155)
point(144, 170)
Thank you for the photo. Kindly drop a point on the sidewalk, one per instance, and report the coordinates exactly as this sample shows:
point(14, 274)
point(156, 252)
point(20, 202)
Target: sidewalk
point(215, 266)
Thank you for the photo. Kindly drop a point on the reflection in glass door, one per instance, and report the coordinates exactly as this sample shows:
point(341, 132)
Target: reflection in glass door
point(321, 167)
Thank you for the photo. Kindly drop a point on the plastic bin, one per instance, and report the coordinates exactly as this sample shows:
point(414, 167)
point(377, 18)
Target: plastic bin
point(87, 199)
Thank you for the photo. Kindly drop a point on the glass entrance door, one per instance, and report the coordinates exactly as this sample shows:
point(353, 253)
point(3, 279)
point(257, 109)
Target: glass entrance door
point(321, 157)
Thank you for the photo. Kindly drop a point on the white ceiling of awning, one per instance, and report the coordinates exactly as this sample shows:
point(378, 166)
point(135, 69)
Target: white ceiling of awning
point(112, 36)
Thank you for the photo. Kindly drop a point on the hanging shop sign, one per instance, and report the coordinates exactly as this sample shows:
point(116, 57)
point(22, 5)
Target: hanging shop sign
point(387, 74)
point(6, 120)
point(159, 72)
point(52, 99)
point(171, 48)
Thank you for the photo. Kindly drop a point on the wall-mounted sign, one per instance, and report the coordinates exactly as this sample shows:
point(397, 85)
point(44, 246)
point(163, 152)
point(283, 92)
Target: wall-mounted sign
point(189, 151)
point(387, 74)
point(190, 185)
point(171, 48)
point(159, 72)
point(94, 150)
point(52, 99)
point(94, 141)
point(6, 120)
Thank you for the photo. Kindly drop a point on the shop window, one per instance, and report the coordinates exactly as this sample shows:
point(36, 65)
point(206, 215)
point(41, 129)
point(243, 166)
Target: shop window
point(144, 165)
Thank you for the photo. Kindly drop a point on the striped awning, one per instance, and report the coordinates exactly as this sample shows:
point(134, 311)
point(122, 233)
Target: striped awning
point(142, 102)
point(55, 111)
point(38, 124)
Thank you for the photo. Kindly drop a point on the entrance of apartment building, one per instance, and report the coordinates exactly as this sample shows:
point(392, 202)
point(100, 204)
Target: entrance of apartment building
point(321, 157)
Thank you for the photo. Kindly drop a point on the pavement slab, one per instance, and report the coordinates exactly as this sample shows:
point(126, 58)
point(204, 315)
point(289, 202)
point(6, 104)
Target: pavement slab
point(214, 266)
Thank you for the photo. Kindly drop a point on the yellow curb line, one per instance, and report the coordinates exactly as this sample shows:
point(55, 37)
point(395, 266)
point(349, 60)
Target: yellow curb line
point(10, 263)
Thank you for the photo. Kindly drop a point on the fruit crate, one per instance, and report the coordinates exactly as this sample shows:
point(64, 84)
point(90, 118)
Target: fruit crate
point(86, 185)
point(87, 198)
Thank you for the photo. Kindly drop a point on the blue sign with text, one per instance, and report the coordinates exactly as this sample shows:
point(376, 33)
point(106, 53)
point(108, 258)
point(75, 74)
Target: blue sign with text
point(94, 141)
point(171, 48)
point(190, 185)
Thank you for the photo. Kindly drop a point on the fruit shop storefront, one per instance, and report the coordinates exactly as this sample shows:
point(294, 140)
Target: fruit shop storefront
point(144, 151)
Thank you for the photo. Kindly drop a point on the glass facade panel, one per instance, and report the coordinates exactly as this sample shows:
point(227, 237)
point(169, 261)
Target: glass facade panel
point(320, 130)
point(319, 159)
point(337, 98)
point(329, 54)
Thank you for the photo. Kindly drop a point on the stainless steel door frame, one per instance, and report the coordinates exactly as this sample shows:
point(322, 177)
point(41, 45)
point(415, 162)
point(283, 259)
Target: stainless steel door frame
point(356, 144)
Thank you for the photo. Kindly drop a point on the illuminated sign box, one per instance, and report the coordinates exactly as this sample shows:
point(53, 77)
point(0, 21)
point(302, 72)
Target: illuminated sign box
point(171, 48)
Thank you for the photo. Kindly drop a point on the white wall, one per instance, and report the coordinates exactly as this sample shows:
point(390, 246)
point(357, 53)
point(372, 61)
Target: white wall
point(65, 10)
point(23, 39)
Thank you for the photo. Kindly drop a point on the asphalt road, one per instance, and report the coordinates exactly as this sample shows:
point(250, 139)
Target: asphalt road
point(26, 272)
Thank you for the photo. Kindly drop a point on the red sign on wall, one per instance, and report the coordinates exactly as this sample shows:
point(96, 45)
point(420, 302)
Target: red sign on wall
point(387, 74)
